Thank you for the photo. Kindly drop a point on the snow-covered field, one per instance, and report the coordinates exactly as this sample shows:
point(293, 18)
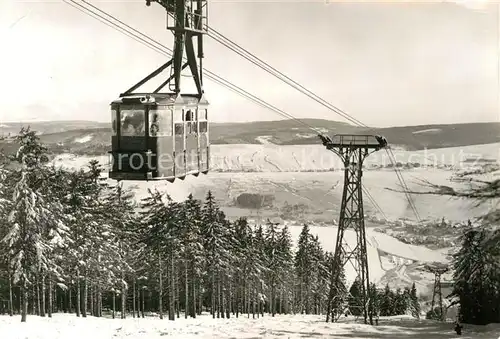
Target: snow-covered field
point(275, 158)
point(65, 326)
point(84, 139)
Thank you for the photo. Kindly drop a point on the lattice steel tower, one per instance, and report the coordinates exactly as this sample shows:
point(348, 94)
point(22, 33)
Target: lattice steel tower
point(352, 150)
point(437, 296)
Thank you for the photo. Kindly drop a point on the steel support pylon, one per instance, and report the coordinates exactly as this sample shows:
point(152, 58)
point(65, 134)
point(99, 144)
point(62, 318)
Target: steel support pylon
point(352, 150)
point(437, 295)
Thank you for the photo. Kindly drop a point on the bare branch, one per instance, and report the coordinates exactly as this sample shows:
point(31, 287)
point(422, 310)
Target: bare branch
point(484, 190)
point(445, 190)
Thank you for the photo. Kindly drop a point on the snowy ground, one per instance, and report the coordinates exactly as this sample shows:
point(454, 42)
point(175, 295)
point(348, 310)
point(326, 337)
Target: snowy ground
point(69, 326)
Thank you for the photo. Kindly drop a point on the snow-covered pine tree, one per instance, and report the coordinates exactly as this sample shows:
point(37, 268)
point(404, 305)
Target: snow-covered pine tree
point(119, 213)
point(56, 235)
point(242, 234)
point(33, 218)
point(463, 266)
point(303, 267)
point(355, 299)
point(407, 301)
point(79, 196)
point(272, 262)
point(259, 242)
point(320, 281)
point(387, 302)
point(255, 266)
point(216, 241)
point(92, 249)
point(374, 305)
point(476, 278)
point(162, 220)
point(286, 273)
point(5, 252)
point(337, 288)
point(251, 265)
point(414, 305)
point(399, 307)
point(192, 245)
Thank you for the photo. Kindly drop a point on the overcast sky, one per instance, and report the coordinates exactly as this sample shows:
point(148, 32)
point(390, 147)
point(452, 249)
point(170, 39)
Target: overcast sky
point(386, 64)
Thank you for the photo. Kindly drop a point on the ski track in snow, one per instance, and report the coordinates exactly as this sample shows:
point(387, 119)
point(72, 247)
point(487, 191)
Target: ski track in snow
point(252, 159)
point(266, 159)
point(297, 161)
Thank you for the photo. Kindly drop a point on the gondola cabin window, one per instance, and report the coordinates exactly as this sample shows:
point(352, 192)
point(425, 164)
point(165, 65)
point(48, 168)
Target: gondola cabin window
point(132, 121)
point(203, 127)
point(191, 124)
point(193, 127)
point(179, 121)
point(114, 127)
point(179, 128)
point(189, 115)
point(202, 117)
point(202, 114)
point(160, 122)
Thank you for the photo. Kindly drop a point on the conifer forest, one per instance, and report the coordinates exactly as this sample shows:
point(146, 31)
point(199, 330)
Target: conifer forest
point(72, 243)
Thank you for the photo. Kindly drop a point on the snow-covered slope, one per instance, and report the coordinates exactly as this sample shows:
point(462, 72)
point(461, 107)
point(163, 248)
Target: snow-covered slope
point(389, 260)
point(430, 130)
point(84, 139)
point(274, 158)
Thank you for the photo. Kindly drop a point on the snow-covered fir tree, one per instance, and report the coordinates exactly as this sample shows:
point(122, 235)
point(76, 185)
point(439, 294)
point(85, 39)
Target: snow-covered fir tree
point(477, 277)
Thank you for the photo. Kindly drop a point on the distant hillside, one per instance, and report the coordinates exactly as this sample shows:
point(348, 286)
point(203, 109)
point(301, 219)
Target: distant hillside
point(441, 136)
point(93, 138)
point(47, 127)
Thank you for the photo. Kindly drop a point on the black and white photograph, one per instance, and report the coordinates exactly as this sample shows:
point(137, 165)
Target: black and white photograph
point(246, 169)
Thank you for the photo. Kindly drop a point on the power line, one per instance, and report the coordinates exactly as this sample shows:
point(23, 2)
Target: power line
point(403, 183)
point(374, 202)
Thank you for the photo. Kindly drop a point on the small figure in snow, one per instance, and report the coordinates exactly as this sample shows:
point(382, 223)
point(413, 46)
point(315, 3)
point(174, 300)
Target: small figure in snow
point(458, 328)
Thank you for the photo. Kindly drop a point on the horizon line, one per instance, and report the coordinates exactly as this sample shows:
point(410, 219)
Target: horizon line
point(21, 122)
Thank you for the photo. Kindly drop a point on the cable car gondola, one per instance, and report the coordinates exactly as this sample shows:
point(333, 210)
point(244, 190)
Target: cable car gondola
point(164, 136)
point(159, 136)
